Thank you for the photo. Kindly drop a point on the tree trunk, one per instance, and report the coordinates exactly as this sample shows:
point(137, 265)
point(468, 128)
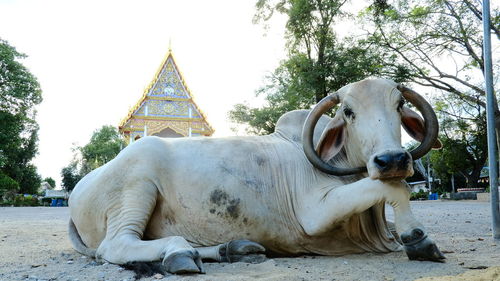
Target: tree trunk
point(321, 79)
point(473, 177)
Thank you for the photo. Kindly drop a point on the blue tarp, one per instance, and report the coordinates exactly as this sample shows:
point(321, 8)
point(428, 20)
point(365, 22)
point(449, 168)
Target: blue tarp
point(433, 196)
point(57, 203)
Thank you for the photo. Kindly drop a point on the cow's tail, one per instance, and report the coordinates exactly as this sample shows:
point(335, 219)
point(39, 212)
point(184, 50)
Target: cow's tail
point(77, 242)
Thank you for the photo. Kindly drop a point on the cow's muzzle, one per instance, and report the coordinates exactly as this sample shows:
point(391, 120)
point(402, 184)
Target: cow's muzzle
point(391, 165)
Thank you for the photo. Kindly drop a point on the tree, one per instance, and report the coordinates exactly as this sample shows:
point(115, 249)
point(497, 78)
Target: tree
point(70, 176)
point(463, 134)
point(438, 43)
point(104, 145)
point(318, 62)
point(19, 94)
point(50, 181)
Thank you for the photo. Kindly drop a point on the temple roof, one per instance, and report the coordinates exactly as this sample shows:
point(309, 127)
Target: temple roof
point(167, 97)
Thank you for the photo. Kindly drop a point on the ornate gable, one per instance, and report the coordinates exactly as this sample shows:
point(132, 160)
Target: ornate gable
point(166, 108)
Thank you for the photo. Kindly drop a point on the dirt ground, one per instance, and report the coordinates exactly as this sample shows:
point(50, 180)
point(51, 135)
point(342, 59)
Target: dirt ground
point(34, 246)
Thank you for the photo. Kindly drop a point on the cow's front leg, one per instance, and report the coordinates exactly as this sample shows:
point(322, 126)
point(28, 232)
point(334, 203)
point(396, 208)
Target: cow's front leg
point(416, 242)
point(325, 207)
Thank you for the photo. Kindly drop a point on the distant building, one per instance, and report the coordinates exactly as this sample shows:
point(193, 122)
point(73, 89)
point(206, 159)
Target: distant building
point(61, 193)
point(44, 186)
point(416, 186)
point(166, 108)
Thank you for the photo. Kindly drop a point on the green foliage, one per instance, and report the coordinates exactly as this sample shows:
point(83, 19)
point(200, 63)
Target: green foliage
point(19, 94)
point(104, 145)
point(20, 200)
point(420, 195)
point(18, 87)
point(439, 43)
point(70, 176)
point(8, 186)
point(30, 180)
point(317, 62)
point(50, 181)
point(260, 121)
point(419, 11)
point(463, 134)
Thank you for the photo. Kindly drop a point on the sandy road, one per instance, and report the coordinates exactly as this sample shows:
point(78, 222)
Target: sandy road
point(34, 246)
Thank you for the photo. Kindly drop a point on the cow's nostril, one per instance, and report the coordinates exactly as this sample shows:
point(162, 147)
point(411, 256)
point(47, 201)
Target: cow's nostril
point(402, 160)
point(382, 161)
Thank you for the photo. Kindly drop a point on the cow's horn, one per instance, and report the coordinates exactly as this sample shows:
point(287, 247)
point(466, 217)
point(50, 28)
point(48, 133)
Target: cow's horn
point(430, 121)
point(307, 139)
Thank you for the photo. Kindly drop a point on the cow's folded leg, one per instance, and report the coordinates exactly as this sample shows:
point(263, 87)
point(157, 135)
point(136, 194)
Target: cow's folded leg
point(234, 251)
point(125, 228)
point(176, 254)
point(417, 245)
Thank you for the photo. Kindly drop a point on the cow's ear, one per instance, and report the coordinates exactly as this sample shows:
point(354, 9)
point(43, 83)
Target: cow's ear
point(332, 139)
point(414, 126)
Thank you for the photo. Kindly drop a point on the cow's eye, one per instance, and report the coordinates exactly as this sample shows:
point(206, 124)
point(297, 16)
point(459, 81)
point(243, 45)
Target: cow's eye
point(401, 103)
point(348, 112)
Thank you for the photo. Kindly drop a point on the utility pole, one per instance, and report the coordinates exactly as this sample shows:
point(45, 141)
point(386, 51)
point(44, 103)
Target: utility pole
point(490, 99)
point(429, 173)
point(452, 183)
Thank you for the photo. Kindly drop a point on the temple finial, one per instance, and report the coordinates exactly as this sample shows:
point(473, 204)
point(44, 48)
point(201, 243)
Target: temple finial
point(170, 44)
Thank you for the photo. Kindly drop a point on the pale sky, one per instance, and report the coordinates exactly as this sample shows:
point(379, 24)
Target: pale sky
point(93, 60)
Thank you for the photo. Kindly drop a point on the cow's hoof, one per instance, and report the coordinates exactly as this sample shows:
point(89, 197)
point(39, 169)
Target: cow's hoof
point(242, 251)
point(420, 247)
point(185, 262)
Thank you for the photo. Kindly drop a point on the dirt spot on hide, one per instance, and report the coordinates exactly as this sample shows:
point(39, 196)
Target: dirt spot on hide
point(261, 161)
point(218, 197)
point(233, 209)
point(225, 205)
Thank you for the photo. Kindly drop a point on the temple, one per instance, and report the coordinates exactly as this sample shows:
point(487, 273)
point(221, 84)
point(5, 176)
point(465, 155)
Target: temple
point(166, 108)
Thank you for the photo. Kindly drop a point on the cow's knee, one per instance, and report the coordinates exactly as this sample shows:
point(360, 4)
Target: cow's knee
point(110, 251)
point(118, 250)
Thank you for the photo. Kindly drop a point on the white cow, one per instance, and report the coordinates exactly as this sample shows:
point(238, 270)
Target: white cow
point(183, 200)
